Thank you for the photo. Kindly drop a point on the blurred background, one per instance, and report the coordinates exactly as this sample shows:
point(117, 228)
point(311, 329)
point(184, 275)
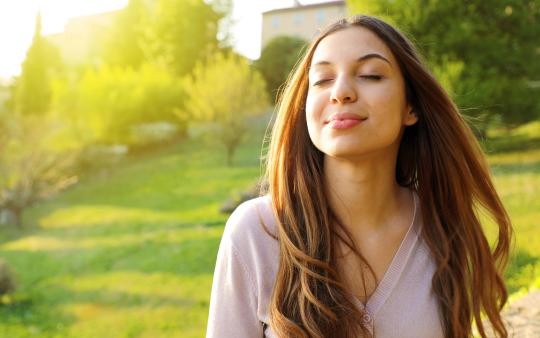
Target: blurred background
point(130, 129)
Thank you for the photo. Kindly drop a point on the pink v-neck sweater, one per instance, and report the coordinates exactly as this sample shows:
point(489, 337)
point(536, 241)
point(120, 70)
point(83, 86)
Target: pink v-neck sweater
point(402, 305)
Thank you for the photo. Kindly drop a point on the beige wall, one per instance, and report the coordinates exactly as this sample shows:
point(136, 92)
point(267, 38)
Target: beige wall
point(303, 22)
point(78, 41)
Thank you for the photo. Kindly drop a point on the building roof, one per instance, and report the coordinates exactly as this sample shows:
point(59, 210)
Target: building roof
point(295, 8)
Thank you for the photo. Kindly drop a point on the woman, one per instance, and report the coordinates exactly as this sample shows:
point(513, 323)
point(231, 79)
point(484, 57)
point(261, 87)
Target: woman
point(371, 223)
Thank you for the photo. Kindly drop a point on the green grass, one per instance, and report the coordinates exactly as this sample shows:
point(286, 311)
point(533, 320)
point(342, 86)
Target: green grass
point(131, 252)
point(126, 254)
point(514, 156)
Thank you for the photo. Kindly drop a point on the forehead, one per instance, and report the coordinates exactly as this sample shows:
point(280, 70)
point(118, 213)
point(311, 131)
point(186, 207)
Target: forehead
point(348, 44)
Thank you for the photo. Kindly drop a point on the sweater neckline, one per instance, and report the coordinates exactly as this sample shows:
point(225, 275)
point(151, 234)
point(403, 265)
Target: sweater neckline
point(394, 270)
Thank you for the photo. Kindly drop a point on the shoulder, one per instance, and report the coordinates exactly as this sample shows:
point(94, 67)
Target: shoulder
point(245, 271)
point(245, 228)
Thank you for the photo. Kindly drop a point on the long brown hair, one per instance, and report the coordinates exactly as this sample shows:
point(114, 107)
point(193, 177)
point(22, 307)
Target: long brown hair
point(439, 158)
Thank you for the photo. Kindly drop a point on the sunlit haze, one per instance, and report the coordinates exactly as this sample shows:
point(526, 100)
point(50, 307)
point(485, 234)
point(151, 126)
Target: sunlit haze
point(17, 19)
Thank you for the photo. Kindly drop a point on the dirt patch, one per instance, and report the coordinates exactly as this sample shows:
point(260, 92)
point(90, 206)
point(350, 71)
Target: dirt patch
point(522, 317)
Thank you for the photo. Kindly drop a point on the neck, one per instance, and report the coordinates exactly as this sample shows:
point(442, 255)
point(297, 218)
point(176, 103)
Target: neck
point(365, 195)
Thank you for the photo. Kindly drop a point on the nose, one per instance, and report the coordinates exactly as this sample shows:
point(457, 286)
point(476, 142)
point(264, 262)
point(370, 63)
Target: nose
point(343, 91)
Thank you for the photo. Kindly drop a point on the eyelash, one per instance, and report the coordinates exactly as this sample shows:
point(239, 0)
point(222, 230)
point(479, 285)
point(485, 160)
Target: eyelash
point(368, 77)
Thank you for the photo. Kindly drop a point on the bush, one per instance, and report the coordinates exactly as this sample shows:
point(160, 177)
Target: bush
point(102, 157)
point(277, 61)
point(30, 170)
point(7, 282)
point(153, 133)
point(110, 101)
point(238, 198)
point(225, 91)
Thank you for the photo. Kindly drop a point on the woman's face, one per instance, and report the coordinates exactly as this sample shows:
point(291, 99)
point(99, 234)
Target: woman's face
point(356, 102)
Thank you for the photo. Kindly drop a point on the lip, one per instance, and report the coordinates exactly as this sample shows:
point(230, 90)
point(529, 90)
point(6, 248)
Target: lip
point(344, 120)
point(345, 116)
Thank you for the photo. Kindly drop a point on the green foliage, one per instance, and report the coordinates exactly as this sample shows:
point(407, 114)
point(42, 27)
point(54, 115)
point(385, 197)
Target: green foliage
point(42, 60)
point(225, 38)
point(107, 103)
point(124, 42)
point(173, 33)
point(495, 42)
point(148, 48)
point(182, 33)
point(11, 92)
point(30, 170)
point(226, 91)
point(7, 281)
point(150, 45)
point(278, 59)
point(5, 126)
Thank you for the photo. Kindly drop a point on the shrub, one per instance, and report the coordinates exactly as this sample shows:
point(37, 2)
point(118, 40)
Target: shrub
point(7, 281)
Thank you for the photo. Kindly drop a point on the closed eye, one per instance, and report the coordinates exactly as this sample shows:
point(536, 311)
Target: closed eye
point(321, 82)
point(371, 77)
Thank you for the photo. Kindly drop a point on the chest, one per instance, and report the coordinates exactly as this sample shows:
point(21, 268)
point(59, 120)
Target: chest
point(404, 305)
point(379, 252)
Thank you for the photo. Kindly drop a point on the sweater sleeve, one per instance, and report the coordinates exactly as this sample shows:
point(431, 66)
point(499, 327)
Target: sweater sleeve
point(233, 300)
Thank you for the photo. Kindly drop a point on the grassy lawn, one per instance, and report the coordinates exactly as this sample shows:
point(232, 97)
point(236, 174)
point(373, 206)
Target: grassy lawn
point(517, 177)
point(131, 253)
point(128, 254)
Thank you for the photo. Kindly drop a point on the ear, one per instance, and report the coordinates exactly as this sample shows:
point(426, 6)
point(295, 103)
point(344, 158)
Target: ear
point(410, 117)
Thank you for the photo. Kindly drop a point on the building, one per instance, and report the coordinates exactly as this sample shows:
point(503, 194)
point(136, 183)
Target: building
point(78, 43)
point(302, 21)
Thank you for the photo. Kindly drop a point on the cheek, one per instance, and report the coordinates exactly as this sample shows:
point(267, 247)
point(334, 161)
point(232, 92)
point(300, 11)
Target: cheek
point(312, 126)
point(388, 124)
point(314, 114)
point(389, 102)
point(314, 105)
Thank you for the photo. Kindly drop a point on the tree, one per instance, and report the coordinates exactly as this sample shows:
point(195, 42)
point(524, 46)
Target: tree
point(124, 42)
point(224, 34)
point(29, 170)
point(277, 61)
point(175, 33)
point(106, 104)
point(33, 92)
point(226, 91)
point(183, 32)
point(490, 46)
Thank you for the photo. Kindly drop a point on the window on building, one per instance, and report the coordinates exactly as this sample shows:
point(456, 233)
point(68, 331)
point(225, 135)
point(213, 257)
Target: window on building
point(275, 22)
point(297, 18)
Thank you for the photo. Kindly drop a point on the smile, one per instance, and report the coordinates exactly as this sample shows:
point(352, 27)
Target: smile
point(344, 120)
point(344, 124)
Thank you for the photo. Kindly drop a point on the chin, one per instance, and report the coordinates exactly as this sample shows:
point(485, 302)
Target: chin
point(344, 152)
point(345, 155)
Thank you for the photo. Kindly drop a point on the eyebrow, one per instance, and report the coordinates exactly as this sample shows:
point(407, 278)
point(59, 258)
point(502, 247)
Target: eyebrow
point(360, 59)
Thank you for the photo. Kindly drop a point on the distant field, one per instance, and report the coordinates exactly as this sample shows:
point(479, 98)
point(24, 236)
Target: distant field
point(131, 253)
